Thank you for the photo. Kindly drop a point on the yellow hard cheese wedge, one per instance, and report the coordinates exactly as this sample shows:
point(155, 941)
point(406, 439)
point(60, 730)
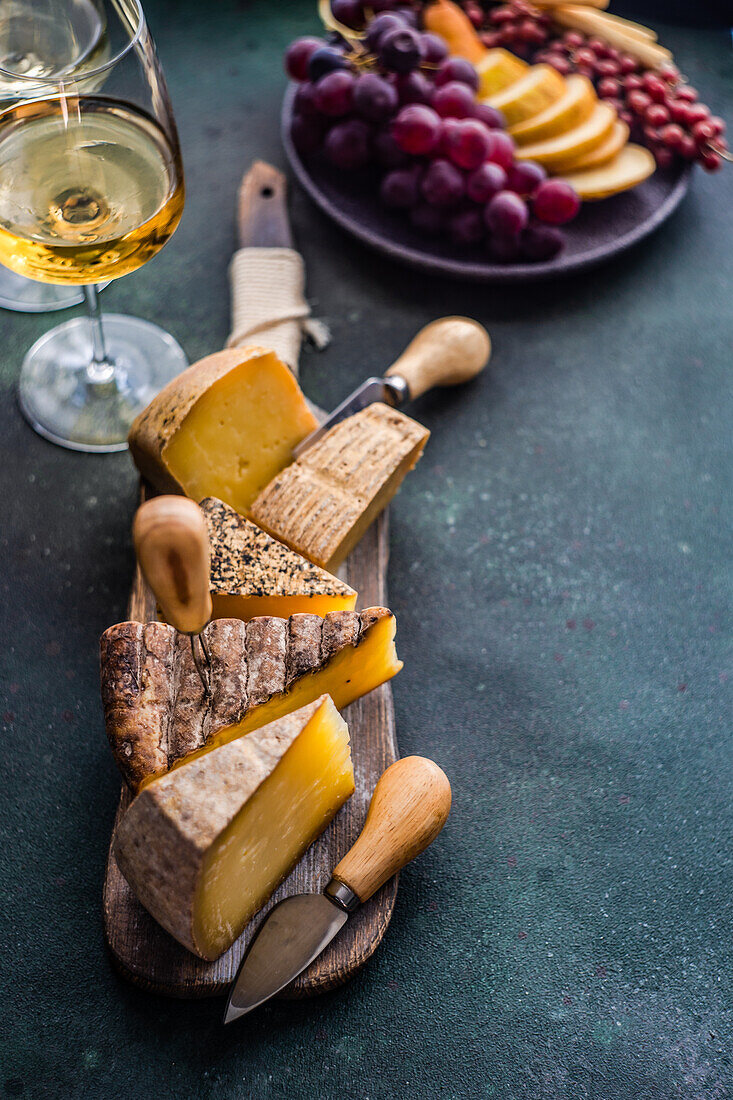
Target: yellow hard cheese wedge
point(222, 428)
point(534, 92)
point(631, 167)
point(322, 504)
point(604, 152)
point(204, 847)
point(557, 152)
point(252, 574)
point(158, 715)
point(573, 107)
point(496, 70)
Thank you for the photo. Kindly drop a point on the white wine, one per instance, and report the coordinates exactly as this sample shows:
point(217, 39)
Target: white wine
point(90, 189)
point(48, 38)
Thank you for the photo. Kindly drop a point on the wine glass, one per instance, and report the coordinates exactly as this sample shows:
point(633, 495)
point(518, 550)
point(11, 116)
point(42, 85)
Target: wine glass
point(91, 188)
point(40, 38)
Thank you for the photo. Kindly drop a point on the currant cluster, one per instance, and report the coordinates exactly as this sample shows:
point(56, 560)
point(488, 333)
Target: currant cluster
point(396, 101)
point(662, 110)
point(517, 26)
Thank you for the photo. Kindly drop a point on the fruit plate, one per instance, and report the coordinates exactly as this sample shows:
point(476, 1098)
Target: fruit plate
point(601, 230)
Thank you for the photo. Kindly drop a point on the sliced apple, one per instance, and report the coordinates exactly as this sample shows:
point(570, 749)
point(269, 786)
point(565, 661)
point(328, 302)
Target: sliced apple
point(609, 149)
point(497, 70)
point(572, 108)
point(563, 149)
point(534, 92)
point(631, 167)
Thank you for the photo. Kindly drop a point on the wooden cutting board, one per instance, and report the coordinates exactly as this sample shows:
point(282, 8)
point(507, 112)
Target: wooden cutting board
point(149, 957)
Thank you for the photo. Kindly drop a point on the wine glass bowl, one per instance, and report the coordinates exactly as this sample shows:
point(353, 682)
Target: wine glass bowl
point(91, 188)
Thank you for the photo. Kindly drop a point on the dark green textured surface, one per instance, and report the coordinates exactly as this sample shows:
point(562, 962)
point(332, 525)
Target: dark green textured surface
point(560, 573)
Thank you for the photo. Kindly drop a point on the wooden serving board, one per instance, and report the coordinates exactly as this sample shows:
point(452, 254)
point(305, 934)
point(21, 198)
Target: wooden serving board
point(145, 954)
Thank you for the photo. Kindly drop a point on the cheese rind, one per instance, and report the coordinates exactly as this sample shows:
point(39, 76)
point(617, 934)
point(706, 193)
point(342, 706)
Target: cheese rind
point(224, 427)
point(322, 504)
point(253, 574)
point(204, 846)
point(158, 716)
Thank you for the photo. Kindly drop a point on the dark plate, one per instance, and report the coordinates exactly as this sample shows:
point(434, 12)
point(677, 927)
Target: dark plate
point(601, 230)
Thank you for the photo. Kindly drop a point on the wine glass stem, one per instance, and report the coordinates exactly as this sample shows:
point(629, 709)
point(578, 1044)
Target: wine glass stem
point(101, 370)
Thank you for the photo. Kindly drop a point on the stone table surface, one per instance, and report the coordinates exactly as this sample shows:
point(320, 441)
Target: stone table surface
point(560, 573)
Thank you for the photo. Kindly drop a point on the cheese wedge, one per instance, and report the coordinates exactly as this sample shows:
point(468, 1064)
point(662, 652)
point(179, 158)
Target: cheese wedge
point(604, 152)
point(158, 716)
point(322, 504)
point(252, 574)
point(204, 847)
point(631, 167)
point(557, 152)
point(534, 92)
point(573, 107)
point(497, 69)
point(222, 428)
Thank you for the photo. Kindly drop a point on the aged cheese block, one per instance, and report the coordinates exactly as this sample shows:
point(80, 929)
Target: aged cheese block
point(323, 503)
point(158, 715)
point(204, 846)
point(222, 428)
point(253, 574)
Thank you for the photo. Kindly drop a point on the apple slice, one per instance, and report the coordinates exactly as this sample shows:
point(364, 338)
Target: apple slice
point(572, 108)
point(610, 148)
point(497, 70)
point(536, 90)
point(563, 149)
point(631, 167)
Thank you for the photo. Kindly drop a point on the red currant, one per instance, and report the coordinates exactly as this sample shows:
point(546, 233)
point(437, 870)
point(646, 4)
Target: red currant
point(608, 67)
point(664, 157)
point(656, 115)
point(703, 131)
point(686, 93)
point(609, 88)
point(638, 102)
point(711, 161)
point(628, 63)
point(672, 135)
point(655, 87)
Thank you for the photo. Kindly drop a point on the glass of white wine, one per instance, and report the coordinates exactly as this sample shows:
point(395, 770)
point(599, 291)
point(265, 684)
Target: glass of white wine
point(44, 38)
point(91, 188)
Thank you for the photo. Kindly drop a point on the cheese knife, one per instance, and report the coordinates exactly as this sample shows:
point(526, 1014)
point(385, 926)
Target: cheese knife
point(409, 807)
point(446, 352)
point(172, 545)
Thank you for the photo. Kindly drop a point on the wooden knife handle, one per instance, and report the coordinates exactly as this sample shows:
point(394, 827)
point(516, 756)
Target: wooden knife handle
point(444, 353)
point(409, 807)
point(172, 545)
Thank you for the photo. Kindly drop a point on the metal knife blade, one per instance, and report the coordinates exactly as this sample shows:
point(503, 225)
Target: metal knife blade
point(392, 391)
point(293, 935)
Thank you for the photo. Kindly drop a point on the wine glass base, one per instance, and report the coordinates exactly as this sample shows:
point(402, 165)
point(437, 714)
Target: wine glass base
point(58, 399)
point(28, 296)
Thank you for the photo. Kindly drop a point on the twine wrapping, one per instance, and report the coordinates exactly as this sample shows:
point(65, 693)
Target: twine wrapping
point(269, 305)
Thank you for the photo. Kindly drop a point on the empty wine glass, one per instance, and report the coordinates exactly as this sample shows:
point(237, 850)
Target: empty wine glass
point(91, 188)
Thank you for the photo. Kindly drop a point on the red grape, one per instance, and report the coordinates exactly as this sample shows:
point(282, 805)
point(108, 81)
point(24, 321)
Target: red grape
point(414, 88)
point(505, 250)
point(525, 177)
point(486, 182)
point(506, 214)
point(541, 243)
point(453, 100)
point(561, 64)
point(323, 61)
point(663, 156)
point(530, 33)
point(573, 39)
point(502, 149)
point(686, 93)
point(348, 12)
point(468, 143)
point(347, 144)
point(489, 116)
point(433, 48)
point(555, 202)
point(687, 148)
point(400, 189)
point(387, 152)
point(466, 226)
point(380, 25)
point(399, 50)
point(697, 112)
point(307, 133)
point(628, 64)
point(633, 83)
point(711, 161)
point(417, 129)
point(335, 93)
point(717, 123)
point(584, 56)
point(672, 135)
point(599, 47)
point(442, 184)
point(374, 97)
point(457, 68)
point(656, 88)
point(638, 101)
point(297, 56)
point(501, 15)
point(609, 88)
point(304, 102)
point(703, 131)
point(656, 115)
point(608, 67)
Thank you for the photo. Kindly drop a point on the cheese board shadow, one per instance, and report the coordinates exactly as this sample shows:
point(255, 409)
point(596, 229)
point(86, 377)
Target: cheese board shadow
point(148, 957)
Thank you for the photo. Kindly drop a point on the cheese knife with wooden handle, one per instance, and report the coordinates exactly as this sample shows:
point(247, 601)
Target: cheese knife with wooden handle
point(172, 545)
point(446, 352)
point(409, 807)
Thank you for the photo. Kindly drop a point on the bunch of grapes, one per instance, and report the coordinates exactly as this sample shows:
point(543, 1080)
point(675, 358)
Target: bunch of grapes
point(517, 26)
point(662, 110)
point(396, 101)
